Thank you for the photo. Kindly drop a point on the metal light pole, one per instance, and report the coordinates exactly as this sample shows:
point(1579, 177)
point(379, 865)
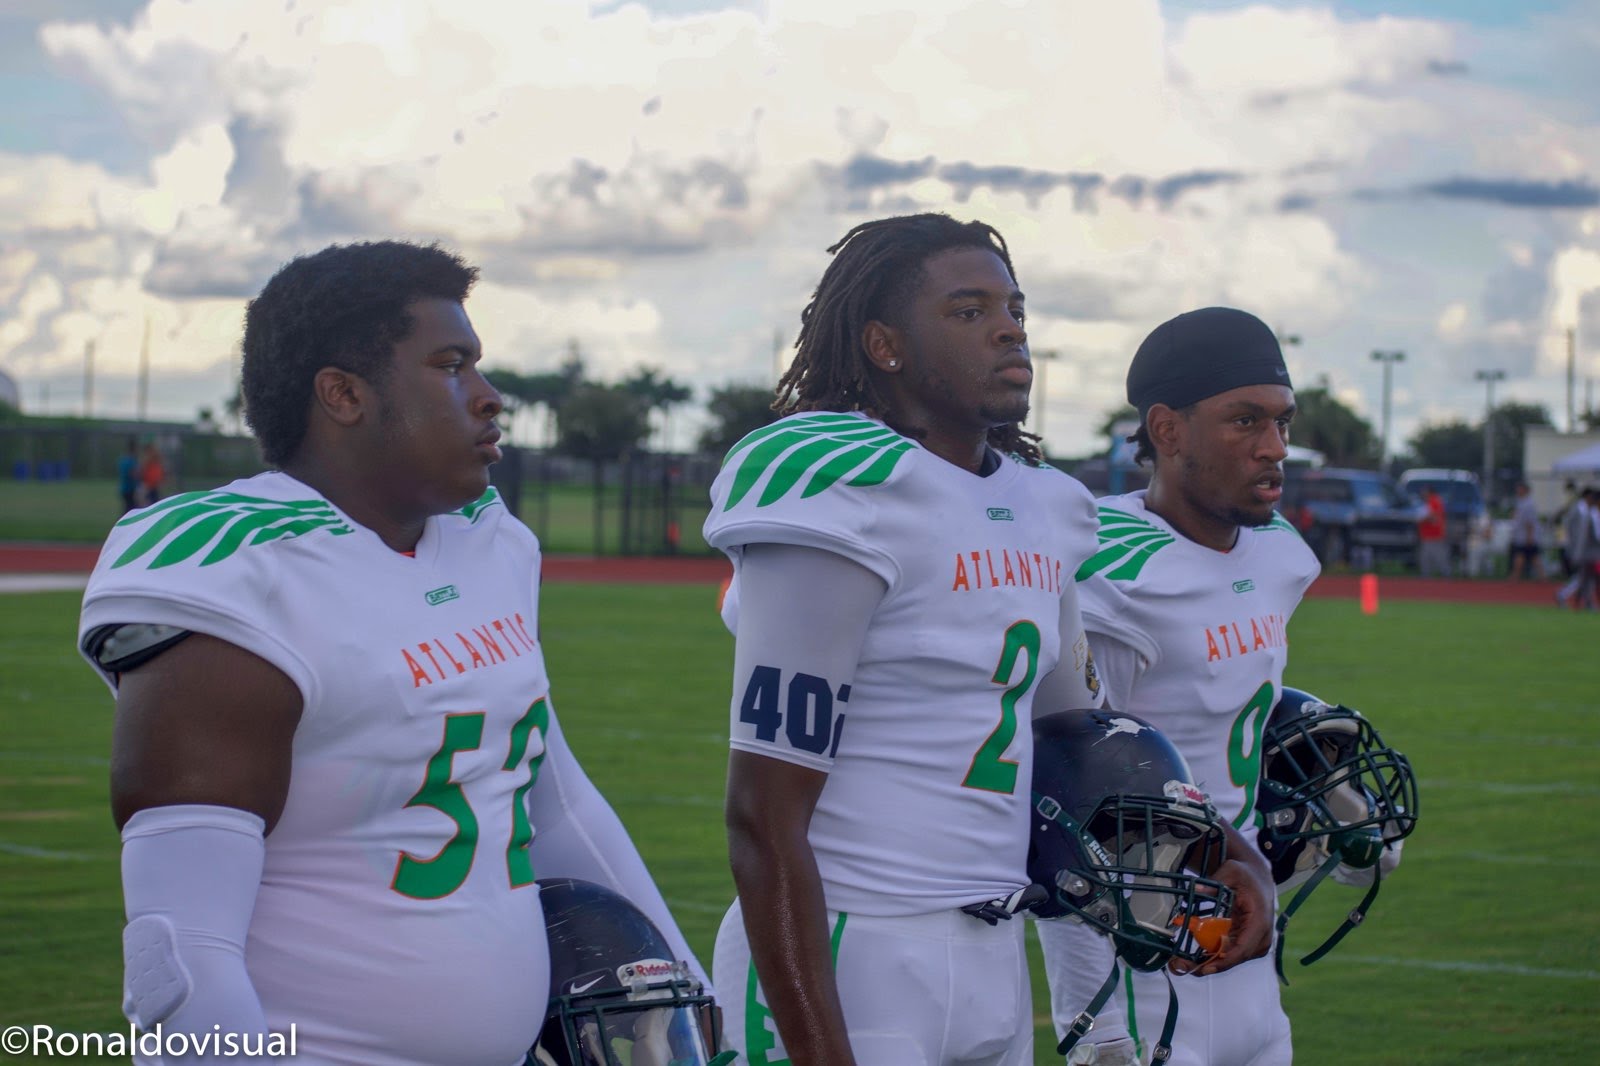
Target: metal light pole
point(143, 394)
point(1040, 361)
point(1388, 358)
point(1572, 359)
point(1489, 377)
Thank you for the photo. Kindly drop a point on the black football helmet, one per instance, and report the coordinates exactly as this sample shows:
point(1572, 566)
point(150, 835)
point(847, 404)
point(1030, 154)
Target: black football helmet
point(1331, 794)
point(618, 997)
point(1121, 833)
point(1329, 786)
point(1120, 836)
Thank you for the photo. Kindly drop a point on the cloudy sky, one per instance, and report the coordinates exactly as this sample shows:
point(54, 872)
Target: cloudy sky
point(660, 180)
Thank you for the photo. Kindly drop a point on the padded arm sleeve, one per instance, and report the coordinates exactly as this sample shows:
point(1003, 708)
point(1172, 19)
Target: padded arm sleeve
point(189, 878)
point(802, 610)
point(1120, 666)
point(577, 834)
point(1075, 682)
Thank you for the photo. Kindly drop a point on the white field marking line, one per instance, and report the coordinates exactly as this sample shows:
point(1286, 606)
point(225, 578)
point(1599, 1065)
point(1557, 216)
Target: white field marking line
point(1500, 741)
point(664, 801)
point(1507, 788)
point(618, 733)
point(42, 582)
point(1462, 966)
point(1423, 854)
point(697, 906)
point(28, 852)
point(44, 756)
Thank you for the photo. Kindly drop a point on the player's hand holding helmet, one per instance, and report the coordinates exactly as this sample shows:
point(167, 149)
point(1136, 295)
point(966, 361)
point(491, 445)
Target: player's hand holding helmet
point(617, 995)
point(1333, 799)
point(1120, 836)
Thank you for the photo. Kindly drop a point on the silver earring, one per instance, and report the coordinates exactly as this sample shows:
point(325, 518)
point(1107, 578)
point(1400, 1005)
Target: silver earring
point(894, 362)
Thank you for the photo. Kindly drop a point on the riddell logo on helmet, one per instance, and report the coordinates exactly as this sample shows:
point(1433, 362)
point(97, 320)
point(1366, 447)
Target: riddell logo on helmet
point(1183, 792)
point(648, 969)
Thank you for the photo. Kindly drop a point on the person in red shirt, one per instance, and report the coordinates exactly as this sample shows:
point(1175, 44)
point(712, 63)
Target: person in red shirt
point(1433, 553)
point(152, 473)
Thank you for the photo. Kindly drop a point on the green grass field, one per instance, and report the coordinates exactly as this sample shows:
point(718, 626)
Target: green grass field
point(1483, 947)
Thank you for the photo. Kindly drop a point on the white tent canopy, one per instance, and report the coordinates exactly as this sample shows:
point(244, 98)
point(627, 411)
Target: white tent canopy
point(1307, 456)
point(1584, 460)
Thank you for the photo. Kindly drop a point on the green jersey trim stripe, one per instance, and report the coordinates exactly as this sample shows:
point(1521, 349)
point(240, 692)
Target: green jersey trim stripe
point(183, 525)
point(472, 511)
point(1279, 522)
point(1126, 544)
point(819, 422)
point(787, 452)
point(758, 1040)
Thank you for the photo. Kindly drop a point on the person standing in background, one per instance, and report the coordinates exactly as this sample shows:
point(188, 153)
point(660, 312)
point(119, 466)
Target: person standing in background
point(1433, 553)
point(128, 476)
point(1525, 558)
point(1577, 526)
point(152, 472)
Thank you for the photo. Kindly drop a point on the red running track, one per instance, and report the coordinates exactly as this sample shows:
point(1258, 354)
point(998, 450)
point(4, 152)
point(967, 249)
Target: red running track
point(80, 559)
point(77, 559)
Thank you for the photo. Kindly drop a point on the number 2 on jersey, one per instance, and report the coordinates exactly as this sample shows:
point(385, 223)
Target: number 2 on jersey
point(441, 875)
point(989, 771)
point(1244, 749)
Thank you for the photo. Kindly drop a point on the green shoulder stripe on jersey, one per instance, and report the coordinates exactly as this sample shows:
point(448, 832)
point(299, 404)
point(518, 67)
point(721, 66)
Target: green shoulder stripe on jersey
point(1279, 522)
point(180, 526)
point(471, 511)
point(1126, 544)
point(827, 447)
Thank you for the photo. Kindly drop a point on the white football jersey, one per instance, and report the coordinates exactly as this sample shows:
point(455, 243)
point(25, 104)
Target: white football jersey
point(397, 919)
point(1211, 629)
point(929, 749)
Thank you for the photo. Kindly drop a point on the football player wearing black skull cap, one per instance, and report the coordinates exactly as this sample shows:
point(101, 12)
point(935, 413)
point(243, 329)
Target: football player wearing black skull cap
point(1187, 604)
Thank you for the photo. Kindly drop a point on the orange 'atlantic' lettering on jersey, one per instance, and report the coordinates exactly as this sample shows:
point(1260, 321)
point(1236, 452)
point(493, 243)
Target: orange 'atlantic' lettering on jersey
point(431, 661)
point(988, 568)
point(1227, 640)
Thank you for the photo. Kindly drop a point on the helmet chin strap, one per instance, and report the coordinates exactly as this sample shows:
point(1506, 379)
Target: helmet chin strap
point(1353, 919)
point(1084, 1022)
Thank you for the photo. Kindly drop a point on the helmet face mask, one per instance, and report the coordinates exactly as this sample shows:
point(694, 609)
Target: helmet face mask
point(617, 997)
point(652, 1024)
point(1329, 786)
point(1119, 831)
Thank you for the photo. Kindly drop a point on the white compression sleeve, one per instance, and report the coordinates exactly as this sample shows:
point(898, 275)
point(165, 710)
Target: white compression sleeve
point(189, 878)
point(1074, 684)
point(802, 609)
point(577, 834)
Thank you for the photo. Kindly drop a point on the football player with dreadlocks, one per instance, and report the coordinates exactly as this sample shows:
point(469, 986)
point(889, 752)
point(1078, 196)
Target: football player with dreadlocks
point(1187, 602)
point(903, 593)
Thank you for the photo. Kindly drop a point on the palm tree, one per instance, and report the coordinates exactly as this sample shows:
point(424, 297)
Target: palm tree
point(658, 393)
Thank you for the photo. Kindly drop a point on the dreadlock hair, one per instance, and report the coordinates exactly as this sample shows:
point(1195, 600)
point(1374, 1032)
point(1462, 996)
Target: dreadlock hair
point(345, 307)
point(876, 268)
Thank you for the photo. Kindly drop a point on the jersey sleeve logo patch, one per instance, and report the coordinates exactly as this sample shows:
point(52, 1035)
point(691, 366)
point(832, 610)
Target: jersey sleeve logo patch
point(180, 527)
point(819, 450)
point(1126, 544)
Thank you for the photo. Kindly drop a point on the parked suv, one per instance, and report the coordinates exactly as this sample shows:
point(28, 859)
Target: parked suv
point(1464, 506)
point(1352, 516)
